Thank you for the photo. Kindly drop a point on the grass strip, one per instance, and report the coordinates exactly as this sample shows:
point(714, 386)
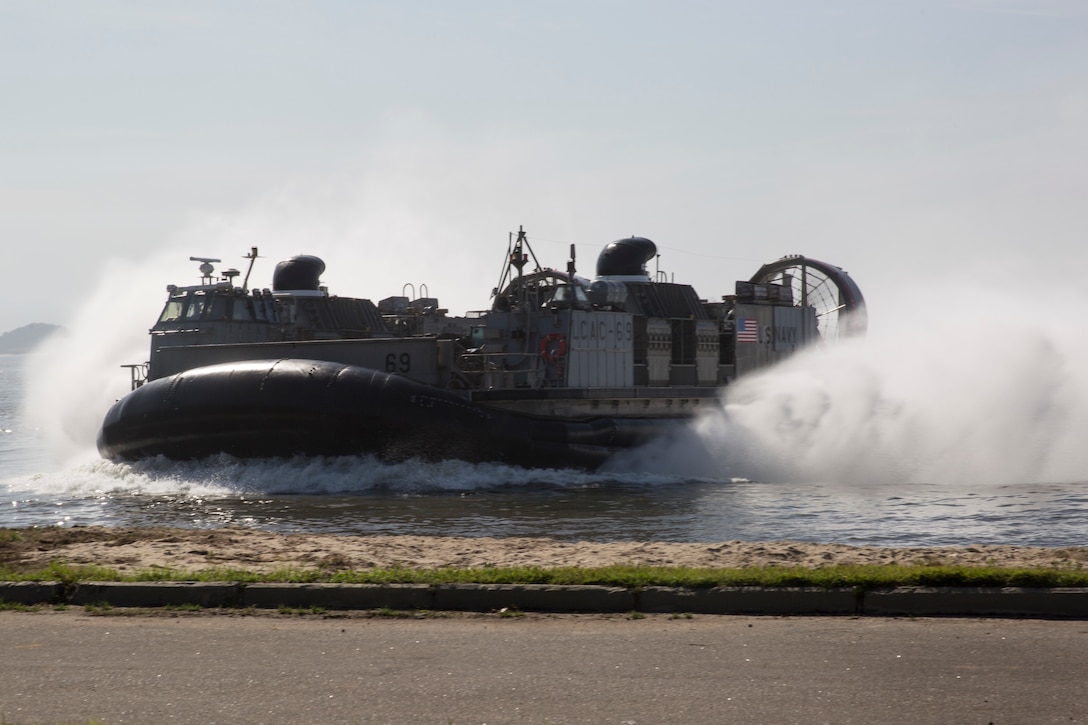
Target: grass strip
point(628, 576)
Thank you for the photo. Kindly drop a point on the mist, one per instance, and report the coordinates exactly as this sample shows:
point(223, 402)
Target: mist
point(973, 387)
point(72, 379)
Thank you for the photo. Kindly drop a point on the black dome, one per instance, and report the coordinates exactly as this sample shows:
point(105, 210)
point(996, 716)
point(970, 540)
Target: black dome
point(298, 273)
point(625, 257)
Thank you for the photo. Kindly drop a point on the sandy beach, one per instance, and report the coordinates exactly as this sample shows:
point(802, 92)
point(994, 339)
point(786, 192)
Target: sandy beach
point(132, 549)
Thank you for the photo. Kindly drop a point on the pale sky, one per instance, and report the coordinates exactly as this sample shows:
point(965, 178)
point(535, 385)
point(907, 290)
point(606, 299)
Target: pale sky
point(914, 143)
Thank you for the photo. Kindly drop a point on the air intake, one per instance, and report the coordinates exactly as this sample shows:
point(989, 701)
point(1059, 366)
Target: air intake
point(298, 273)
point(626, 257)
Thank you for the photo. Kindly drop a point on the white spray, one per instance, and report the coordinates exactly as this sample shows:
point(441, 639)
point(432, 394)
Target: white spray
point(72, 379)
point(958, 388)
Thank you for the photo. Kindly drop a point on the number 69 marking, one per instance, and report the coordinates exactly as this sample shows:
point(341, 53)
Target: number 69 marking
point(393, 364)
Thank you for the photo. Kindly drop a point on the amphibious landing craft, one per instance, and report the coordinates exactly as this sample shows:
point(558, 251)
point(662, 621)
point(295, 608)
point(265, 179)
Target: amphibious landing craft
point(561, 371)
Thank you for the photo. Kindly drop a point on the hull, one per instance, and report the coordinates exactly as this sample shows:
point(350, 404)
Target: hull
point(283, 407)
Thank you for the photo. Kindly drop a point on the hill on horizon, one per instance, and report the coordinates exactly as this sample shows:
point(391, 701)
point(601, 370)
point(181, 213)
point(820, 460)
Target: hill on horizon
point(24, 339)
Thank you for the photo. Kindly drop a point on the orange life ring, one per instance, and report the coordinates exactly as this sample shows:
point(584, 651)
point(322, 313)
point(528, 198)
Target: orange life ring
point(553, 346)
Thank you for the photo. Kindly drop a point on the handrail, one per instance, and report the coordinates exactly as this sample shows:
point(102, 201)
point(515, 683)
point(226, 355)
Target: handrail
point(137, 374)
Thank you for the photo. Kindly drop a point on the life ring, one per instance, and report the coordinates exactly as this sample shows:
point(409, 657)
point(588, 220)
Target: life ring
point(553, 346)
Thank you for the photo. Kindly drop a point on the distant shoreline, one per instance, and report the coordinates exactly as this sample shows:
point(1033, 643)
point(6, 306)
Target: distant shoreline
point(25, 339)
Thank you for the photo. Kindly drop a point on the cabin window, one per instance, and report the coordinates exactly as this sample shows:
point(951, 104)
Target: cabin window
point(196, 306)
point(242, 310)
point(172, 311)
point(216, 308)
point(259, 312)
point(565, 295)
point(267, 310)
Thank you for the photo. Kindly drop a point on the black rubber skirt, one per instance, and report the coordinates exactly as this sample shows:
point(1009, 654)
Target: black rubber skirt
point(275, 408)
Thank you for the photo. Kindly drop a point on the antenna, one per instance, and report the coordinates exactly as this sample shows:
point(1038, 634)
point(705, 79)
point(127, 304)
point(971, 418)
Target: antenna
point(206, 268)
point(252, 256)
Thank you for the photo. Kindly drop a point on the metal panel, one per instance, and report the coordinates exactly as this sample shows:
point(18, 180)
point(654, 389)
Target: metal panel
point(600, 350)
point(754, 328)
point(706, 351)
point(766, 334)
point(789, 328)
point(658, 351)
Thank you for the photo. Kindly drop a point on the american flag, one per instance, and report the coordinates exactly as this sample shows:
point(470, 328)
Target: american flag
point(747, 331)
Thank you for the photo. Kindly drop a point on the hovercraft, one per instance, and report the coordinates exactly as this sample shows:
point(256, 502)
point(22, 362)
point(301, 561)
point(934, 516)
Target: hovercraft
point(560, 371)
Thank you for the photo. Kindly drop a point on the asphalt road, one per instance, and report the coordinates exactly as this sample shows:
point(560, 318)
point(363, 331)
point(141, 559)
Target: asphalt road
point(71, 667)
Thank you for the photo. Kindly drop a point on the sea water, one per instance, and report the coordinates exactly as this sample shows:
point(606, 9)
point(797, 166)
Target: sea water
point(834, 468)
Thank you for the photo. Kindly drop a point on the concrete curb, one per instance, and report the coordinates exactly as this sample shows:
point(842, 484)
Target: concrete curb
point(997, 601)
point(338, 596)
point(30, 592)
point(903, 601)
point(154, 594)
point(533, 598)
point(749, 600)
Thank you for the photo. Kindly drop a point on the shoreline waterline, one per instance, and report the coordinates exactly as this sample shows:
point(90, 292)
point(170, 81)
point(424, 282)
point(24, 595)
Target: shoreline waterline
point(128, 550)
